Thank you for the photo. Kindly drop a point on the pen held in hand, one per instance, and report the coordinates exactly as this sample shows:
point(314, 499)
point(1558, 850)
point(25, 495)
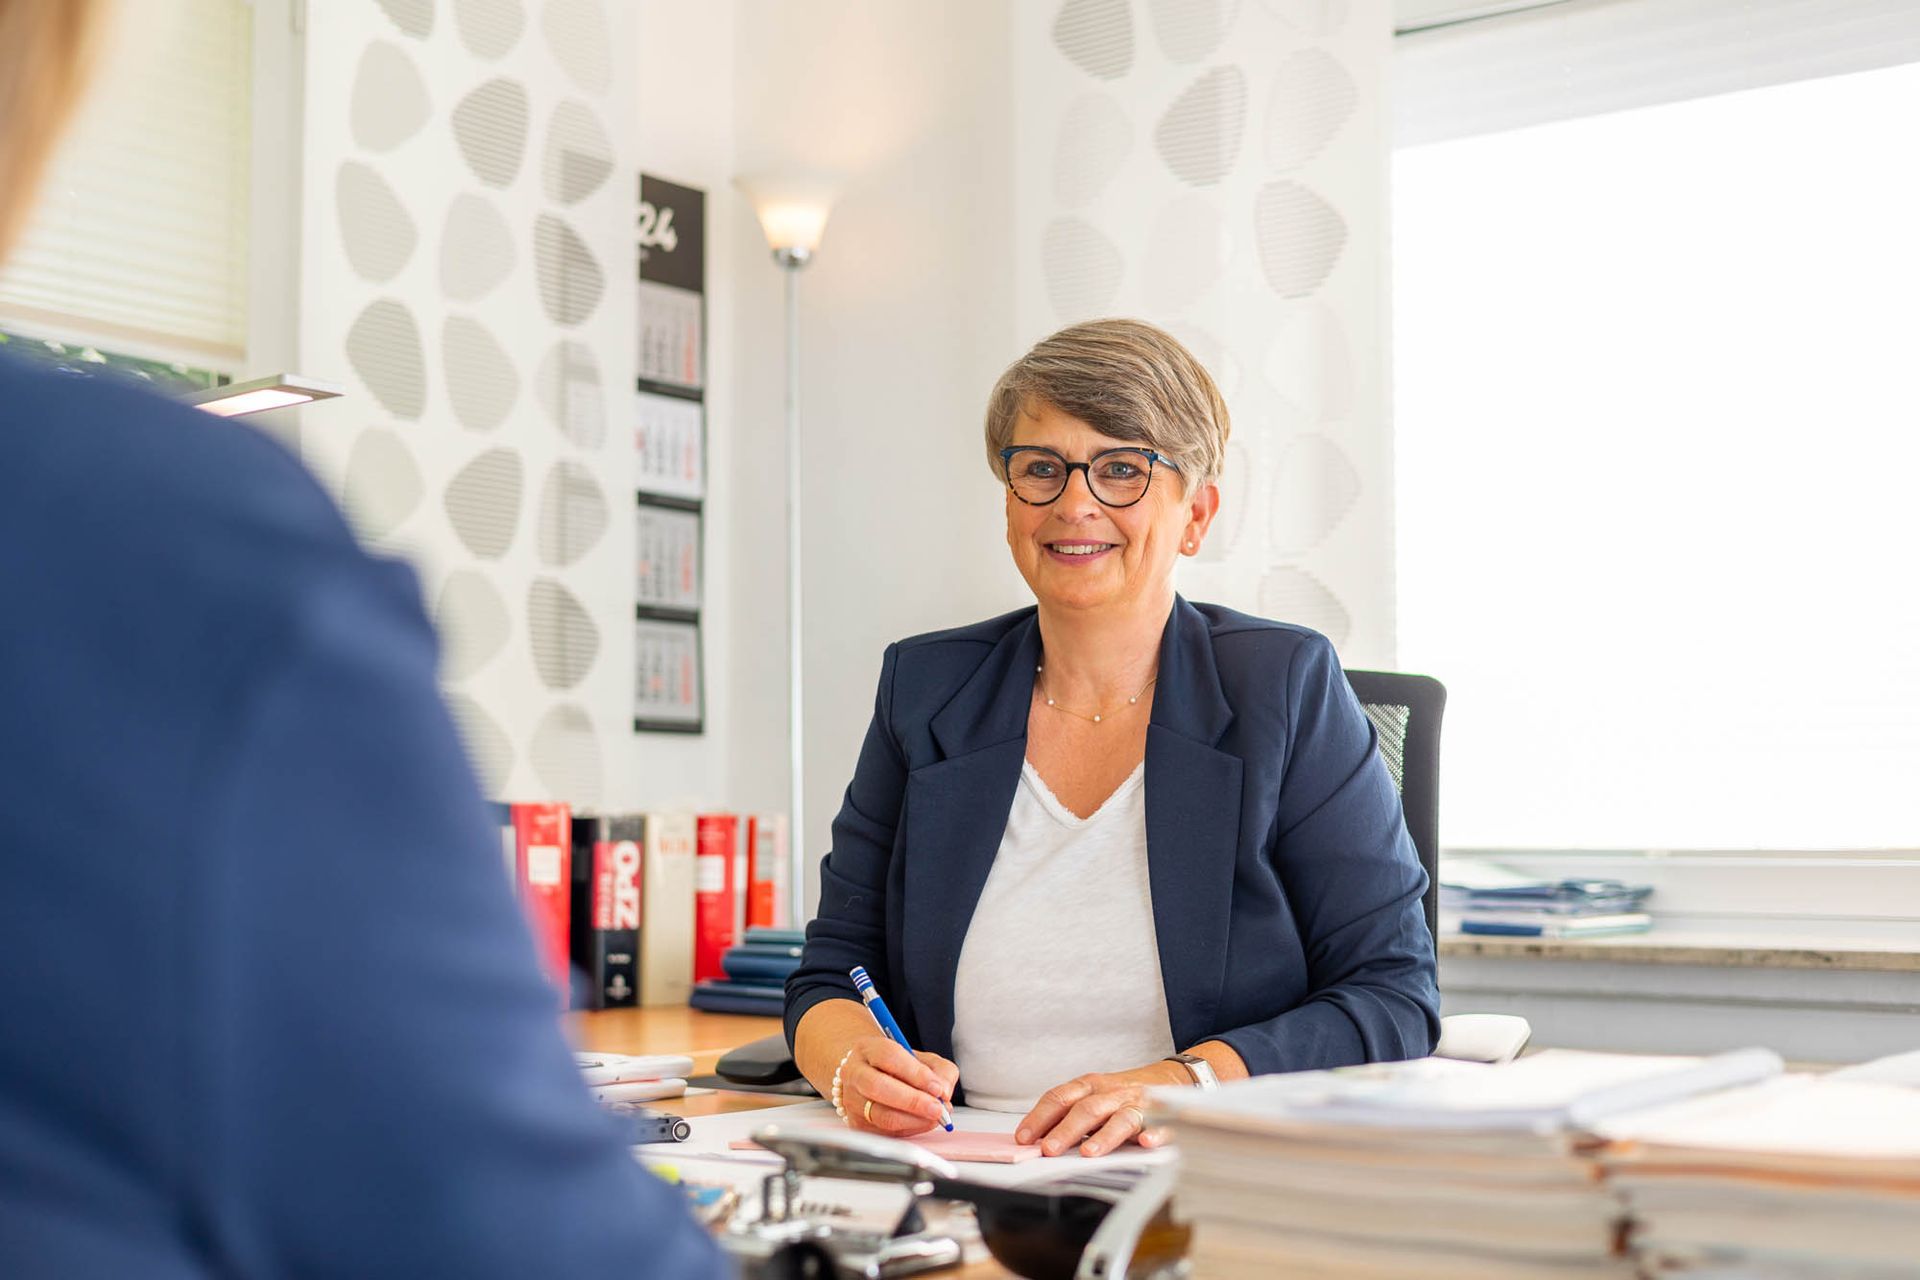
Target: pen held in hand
point(888, 1027)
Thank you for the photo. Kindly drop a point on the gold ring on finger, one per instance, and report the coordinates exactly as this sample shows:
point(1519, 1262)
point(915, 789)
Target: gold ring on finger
point(867, 1111)
point(1139, 1117)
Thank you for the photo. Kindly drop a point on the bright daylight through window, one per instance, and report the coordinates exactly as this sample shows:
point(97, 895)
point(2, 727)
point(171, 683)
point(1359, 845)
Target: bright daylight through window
point(1658, 470)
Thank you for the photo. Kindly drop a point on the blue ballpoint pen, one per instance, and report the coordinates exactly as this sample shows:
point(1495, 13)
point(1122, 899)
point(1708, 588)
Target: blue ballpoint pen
point(882, 1015)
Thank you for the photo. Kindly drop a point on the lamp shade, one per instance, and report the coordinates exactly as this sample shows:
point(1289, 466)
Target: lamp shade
point(792, 209)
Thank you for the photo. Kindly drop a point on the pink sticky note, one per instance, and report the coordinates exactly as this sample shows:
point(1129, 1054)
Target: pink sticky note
point(977, 1148)
point(961, 1147)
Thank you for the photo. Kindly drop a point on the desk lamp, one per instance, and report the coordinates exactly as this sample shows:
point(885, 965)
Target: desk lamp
point(276, 391)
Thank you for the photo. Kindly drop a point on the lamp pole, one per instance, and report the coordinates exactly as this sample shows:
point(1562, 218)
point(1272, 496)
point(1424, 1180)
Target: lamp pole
point(793, 214)
point(791, 260)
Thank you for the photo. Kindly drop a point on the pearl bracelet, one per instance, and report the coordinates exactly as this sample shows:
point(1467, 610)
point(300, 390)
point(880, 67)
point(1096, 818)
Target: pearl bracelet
point(837, 1108)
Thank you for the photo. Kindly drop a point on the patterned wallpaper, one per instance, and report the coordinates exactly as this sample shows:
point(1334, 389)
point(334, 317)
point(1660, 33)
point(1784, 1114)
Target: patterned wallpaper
point(466, 267)
point(1220, 167)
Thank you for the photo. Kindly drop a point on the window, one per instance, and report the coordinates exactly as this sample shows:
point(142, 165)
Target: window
point(140, 242)
point(1658, 453)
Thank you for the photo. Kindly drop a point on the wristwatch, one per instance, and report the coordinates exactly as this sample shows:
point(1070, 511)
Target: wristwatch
point(1199, 1068)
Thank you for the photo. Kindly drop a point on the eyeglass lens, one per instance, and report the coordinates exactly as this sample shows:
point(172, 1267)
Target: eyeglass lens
point(1118, 477)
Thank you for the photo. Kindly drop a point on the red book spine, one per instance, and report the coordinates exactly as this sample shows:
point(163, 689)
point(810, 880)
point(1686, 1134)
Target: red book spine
point(543, 843)
point(716, 894)
point(766, 857)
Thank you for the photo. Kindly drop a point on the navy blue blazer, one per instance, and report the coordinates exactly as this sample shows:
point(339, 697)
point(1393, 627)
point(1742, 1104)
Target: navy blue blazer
point(1286, 892)
point(269, 1006)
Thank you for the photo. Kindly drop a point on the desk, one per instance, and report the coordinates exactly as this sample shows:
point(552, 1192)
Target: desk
point(704, 1037)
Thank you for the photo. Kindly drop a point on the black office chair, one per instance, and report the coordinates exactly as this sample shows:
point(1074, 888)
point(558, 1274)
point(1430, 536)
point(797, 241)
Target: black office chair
point(1406, 711)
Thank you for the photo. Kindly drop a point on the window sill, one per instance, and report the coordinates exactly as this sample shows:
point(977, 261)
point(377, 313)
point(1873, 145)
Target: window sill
point(1706, 949)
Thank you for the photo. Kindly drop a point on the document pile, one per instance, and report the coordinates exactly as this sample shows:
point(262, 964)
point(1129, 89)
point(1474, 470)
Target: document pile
point(1485, 898)
point(1429, 1168)
point(1796, 1178)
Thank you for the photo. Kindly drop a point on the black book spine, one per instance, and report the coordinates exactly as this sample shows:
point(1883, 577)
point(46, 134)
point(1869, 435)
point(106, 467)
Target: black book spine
point(606, 909)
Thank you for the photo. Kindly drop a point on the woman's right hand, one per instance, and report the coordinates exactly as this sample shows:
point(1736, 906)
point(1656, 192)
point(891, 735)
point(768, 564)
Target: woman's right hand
point(905, 1090)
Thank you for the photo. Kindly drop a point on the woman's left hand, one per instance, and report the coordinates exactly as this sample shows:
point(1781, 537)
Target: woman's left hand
point(1099, 1111)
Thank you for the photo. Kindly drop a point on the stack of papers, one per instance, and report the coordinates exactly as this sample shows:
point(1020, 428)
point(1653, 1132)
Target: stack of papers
point(1429, 1168)
point(1796, 1177)
point(1485, 898)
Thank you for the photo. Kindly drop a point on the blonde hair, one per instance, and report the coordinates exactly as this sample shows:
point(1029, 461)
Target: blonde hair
point(46, 52)
point(1126, 379)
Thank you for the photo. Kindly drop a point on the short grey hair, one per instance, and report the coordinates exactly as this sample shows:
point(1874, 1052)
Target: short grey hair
point(1126, 379)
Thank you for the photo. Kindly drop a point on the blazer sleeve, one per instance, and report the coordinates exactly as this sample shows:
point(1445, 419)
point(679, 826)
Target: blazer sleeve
point(850, 927)
point(1354, 881)
point(381, 1086)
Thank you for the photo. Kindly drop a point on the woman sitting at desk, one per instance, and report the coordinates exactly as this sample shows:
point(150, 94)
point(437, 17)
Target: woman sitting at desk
point(1117, 840)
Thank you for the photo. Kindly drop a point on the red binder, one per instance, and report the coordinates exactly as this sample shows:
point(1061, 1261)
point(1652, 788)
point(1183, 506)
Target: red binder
point(767, 862)
point(717, 901)
point(542, 875)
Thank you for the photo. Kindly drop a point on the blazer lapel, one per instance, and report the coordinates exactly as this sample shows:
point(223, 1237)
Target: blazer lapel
point(955, 813)
point(1193, 825)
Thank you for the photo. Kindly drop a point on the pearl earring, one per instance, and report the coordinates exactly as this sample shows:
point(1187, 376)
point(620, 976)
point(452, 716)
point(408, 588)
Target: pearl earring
point(1189, 546)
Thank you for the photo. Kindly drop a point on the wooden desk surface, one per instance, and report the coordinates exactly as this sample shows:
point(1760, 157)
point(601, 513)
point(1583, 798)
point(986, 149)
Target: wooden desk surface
point(704, 1037)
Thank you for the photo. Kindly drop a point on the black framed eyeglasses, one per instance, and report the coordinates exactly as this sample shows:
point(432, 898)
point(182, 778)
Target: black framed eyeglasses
point(1115, 477)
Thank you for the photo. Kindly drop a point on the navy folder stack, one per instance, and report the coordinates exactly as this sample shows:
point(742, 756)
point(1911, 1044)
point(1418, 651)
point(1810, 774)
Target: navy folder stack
point(757, 970)
point(1487, 899)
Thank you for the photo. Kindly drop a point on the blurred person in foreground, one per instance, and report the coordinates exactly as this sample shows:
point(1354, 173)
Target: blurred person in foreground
point(270, 1006)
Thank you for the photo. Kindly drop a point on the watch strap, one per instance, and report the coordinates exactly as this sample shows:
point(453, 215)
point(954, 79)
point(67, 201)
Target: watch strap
point(1198, 1067)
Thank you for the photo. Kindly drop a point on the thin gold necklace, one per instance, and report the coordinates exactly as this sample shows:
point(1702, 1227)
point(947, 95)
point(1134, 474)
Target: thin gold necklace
point(1097, 716)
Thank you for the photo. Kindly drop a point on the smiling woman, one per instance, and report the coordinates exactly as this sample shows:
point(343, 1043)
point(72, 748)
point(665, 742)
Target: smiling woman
point(1116, 839)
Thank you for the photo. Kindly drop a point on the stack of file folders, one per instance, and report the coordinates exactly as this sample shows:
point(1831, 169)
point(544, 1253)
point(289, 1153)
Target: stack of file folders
point(1797, 1178)
point(757, 971)
point(1430, 1168)
point(1488, 899)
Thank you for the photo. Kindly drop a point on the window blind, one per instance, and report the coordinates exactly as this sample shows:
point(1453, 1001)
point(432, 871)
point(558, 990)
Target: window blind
point(1585, 57)
point(141, 236)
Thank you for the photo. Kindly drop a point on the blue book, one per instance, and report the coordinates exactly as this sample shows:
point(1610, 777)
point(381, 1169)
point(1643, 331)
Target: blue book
point(1518, 924)
point(760, 934)
point(747, 966)
point(730, 997)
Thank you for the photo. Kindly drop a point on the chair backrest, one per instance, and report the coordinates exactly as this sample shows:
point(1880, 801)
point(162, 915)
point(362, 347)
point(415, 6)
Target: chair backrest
point(1406, 711)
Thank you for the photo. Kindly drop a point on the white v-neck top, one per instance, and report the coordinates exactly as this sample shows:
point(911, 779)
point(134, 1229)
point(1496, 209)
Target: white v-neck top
point(1060, 970)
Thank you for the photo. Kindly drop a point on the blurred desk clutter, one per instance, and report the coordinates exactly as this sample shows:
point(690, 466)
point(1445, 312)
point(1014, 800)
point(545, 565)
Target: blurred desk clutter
point(1558, 1164)
point(1799, 1176)
point(1561, 1163)
point(1488, 899)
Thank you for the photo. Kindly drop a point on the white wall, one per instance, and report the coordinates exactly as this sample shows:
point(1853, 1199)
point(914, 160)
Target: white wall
point(907, 317)
point(1221, 169)
point(935, 115)
point(429, 168)
point(683, 73)
point(947, 121)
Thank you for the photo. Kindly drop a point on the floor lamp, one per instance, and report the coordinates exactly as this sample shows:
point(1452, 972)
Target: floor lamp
point(793, 214)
